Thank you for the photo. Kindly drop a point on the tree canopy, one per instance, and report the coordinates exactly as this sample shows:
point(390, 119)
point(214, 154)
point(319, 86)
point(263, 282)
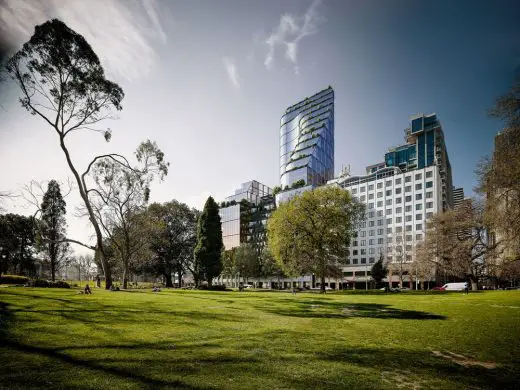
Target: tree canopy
point(312, 232)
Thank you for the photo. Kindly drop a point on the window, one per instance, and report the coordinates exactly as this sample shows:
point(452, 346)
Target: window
point(362, 189)
point(371, 205)
point(409, 238)
point(429, 184)
point(363, 260)
point(389, 183)
point(363, 242)
point(398, 219)
point(355, 252)
point(418, 186)
point(380, 241)
point(371, 214)
point(371, 260)
point(407, 179)
point(380, 203)
point(354, 191)
point(354, 261)
point(379, 222)
point(372, 233)
point(389, 230)
point(408, 198)
point(363, 251)
point(388, 250)
point(408, 209)
point(371, 241)
point(389, 258)
point(363, 234)
point(398, 210)
point(398, 229)
point(418, 226)
point(388, 211)
point(348, 262)
point(389, 240)
point(389, 221)
point(380, 213)
point(418, 176)
point(418, 196)
point(408, 228)
point(362, 224)
point(372, 251)
point(429, 174)
point(380, 232)
point(408, 248)
point(398, 200)
point(389, 202)
point(418, 217)
point(397, 181)
point(418, 236)
point(371, 187)
point(429, 195)
point(399, 239)
point(363, 198)
point(380, 194)
point(388, 193)
point(429, 215)
point(408, 189)
point(370, 196)
point(371, 223)
point(354, 243)
point(379, 186)
point(408, 218)
point(418, 206)
point(397, 191)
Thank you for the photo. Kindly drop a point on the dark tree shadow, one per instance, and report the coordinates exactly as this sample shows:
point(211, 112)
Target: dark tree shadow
point(341, 310)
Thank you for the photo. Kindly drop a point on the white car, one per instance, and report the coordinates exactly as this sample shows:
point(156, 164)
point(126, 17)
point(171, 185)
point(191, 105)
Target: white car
point(248, 286)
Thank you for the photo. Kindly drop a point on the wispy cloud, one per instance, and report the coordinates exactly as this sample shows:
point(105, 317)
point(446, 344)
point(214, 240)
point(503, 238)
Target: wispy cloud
point(122, 32)
point(232, 71)
point(290, 31)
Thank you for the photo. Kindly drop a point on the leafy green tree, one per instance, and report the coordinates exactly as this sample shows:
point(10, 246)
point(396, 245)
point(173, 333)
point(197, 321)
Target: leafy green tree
point(379, 270)
point(311, 233)
point(246, 261)
point(17, 240)
point(52, 228)
point(208, 251)
point(173, 228)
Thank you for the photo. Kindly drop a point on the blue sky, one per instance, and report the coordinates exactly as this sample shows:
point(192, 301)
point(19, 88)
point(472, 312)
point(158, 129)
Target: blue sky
point(209, 80)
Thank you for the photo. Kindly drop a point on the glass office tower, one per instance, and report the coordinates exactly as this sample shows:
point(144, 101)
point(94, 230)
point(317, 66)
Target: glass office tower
point(307, 141)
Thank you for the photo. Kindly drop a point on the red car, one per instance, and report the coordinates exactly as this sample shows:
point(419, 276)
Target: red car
point(439, 289)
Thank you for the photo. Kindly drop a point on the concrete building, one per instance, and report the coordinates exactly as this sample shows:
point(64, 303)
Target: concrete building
point(458, 196)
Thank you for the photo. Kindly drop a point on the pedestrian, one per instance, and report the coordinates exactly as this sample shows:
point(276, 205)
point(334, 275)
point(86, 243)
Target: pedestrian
point(466, 288)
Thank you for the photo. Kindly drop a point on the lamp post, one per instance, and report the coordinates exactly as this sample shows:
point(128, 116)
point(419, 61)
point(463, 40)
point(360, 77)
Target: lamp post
point(366, 277)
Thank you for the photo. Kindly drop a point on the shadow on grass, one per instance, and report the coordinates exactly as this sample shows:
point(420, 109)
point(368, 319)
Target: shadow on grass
point(404, 368)
point(324, 309)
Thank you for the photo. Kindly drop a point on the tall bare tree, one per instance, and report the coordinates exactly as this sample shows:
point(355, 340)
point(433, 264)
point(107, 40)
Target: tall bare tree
point(62, 82)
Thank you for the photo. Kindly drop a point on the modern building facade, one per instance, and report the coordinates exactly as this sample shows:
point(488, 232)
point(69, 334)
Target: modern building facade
point(307, 141)
point(425, 147)
point(458, 197)
point(243, 215)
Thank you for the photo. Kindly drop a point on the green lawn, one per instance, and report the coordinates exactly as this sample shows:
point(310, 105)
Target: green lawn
point(229, 340)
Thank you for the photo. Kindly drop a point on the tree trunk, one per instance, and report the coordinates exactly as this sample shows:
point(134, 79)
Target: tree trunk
point(53, 270)
point(168, 279)
point(474, 283)
point(125, 277)
point(322, 286)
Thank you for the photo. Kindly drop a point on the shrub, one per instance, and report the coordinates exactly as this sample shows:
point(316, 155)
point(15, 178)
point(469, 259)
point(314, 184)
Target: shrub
point(60, 284)
point(48, 283)
point(218, 287)
point(13, 279)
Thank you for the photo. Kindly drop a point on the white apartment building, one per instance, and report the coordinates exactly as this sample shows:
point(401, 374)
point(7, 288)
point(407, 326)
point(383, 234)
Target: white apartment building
point(398, 205)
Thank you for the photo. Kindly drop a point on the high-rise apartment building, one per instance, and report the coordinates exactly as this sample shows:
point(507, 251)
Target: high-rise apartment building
point(243, 215)
point(458, 197)
point(425, 147)
point(307, 141)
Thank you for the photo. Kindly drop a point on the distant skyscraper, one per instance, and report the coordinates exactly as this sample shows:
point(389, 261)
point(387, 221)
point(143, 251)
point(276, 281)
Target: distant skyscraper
point(458, 196)
point(307, 141)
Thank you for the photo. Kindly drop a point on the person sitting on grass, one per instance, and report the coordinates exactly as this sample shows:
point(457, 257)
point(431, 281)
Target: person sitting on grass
point(88, 290)
point(156, 289)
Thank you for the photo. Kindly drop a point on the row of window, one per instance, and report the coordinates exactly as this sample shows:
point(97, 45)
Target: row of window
point(407, 198)
point(398, 181)
point(418, 187)
point(380, 241)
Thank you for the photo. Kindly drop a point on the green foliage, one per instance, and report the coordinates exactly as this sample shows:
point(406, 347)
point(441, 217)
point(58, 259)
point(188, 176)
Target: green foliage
point(277, 189)
point(13, 279)
point(311, 233)
point(52, 228)
point(207, 253)
point(48, 283)
point(298, 184)
point(17, 240)
point(246, 261)
point(379, 271)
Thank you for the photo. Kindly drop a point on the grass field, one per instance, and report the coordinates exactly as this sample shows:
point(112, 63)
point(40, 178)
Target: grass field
point(229, 340)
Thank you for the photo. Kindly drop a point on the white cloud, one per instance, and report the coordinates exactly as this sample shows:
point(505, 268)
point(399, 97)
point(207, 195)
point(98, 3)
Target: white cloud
point(289, 32)
point(121, 32)
point(232, 71)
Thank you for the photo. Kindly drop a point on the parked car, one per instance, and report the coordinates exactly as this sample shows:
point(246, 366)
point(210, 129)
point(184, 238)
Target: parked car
point(455, 286)
point(438, 289)
point(248, 286)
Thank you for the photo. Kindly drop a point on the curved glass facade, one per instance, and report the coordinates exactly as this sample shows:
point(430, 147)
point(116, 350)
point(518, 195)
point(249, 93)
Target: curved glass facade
point(307, 140)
